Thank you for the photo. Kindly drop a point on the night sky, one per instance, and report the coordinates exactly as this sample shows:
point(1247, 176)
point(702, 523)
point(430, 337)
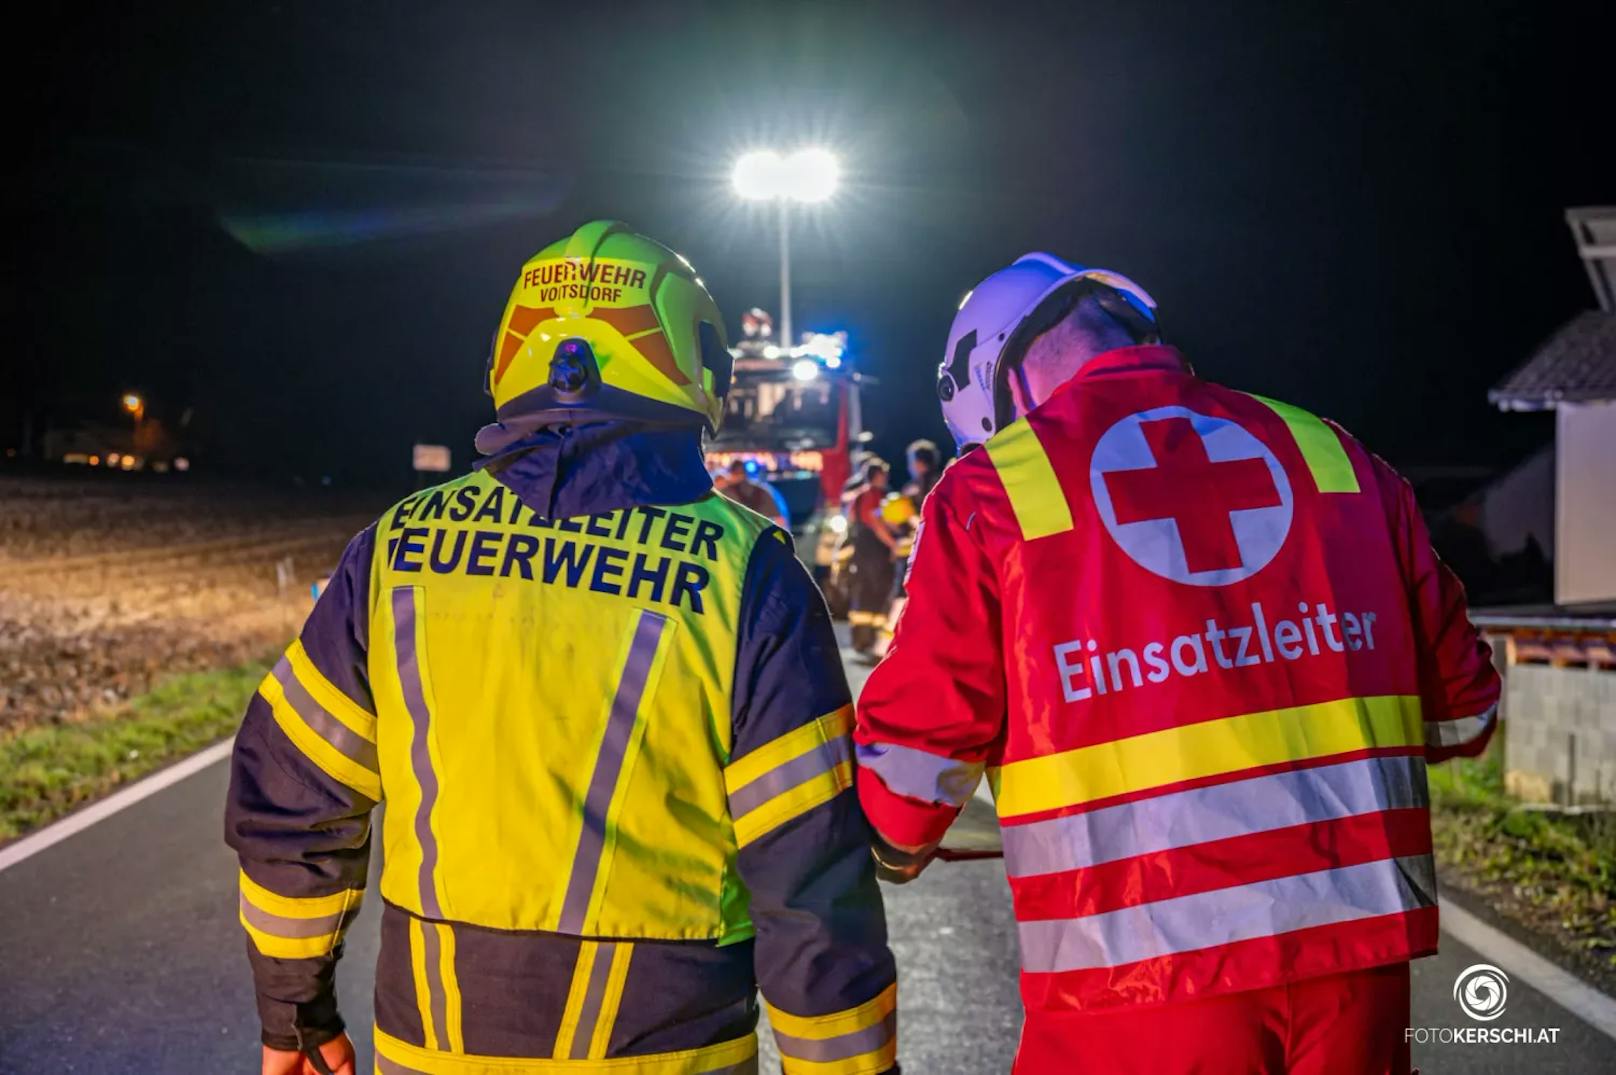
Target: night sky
point(302, 221)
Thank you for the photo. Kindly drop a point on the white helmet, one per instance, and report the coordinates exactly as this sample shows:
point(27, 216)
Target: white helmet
point(1005, 313)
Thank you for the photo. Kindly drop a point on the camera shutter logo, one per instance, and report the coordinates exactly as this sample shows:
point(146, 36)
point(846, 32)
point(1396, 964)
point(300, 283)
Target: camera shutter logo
point(1482, 990)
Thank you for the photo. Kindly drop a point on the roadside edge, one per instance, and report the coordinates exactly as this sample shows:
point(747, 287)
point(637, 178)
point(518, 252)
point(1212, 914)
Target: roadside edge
point(28, 846)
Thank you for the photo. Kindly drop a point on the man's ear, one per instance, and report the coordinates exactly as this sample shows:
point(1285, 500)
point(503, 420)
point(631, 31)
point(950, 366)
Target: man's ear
point(1018, 390)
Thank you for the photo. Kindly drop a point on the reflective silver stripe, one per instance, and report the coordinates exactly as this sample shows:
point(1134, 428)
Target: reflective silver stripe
point(749, 1066)
point(920, 774)
point(1453, 733)
point(822, 758)
point(842, 1046)
point(608, 765)
point(409, 678)
point(594, 995)
point(1226, 915)
point(393, 1067)
point(1195, 816)
point(437, 997)
point(356, 748)
point(285, 926)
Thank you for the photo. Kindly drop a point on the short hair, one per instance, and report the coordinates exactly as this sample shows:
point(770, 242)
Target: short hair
point(923, 450)
point(737, 466)
point(874, 467)
point(1088, 328)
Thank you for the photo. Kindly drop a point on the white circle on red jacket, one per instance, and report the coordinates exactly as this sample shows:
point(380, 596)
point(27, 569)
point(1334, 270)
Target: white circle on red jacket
point(1190, 497)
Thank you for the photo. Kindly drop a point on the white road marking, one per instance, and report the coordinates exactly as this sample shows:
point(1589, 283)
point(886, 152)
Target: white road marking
point(1571, 993)
point(76, 823)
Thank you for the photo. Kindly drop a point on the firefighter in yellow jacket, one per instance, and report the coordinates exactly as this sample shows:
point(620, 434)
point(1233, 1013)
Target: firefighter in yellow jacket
point(604, 707)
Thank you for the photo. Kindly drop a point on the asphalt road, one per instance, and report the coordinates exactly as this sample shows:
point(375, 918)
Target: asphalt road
point(120, 952)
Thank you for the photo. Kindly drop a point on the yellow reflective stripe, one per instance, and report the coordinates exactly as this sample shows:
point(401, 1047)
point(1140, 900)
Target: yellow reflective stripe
point(793, 804)
point(1029, 481)
point(607, 1019)
point(776, 752)
point(333, 762)
point(298, 906)
point(1210, 748)
point(575, 1000)
point(825, 735)
point(726, 1058)
point(359, 720)
point(286, 947)
point(287, 927)
point(876, 1060)
point(451, 988)
point(1321, 448)
point(834, 1025)
point(423, 992)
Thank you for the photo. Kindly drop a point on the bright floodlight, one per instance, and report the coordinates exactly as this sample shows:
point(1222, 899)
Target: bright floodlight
point(807, 175)
point(758, 174)
point(805, 369)
point(812, 175)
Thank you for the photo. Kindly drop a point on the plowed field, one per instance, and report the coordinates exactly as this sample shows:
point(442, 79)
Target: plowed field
point(110, 580)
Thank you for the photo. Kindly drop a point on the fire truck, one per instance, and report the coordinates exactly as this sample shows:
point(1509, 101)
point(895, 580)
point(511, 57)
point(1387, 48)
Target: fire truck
point(793, 417)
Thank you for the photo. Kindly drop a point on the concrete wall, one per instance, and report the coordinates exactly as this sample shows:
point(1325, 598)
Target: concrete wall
point(1560, 734)
point(1585, 530)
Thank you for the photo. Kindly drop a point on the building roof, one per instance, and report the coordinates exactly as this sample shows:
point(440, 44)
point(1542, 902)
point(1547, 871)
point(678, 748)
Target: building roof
point(1577, 363)
point(1590, 616)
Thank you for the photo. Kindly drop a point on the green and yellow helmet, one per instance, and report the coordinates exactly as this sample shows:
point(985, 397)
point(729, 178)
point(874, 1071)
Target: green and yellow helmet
point(609, 324)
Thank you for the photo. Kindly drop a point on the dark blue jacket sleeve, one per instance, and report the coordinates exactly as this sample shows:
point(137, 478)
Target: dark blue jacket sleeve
point(822, 960)
point(303, 781)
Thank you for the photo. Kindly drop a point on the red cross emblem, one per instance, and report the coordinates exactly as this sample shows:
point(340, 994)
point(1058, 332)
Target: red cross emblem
point(1193, 491)
point(1221, 488)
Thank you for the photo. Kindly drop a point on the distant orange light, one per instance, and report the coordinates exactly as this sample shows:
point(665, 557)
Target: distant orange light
point(95, 460)
point(814, 461)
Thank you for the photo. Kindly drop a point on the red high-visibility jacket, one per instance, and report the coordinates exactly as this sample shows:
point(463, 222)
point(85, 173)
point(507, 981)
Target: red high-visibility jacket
point(1201, 645)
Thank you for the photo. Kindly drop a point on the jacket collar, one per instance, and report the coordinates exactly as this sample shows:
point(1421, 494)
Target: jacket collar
point(1141, 358)
point(567, 470)
point(1145, 356)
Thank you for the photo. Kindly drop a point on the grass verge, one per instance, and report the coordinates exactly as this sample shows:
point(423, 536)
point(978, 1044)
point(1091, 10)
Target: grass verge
point(1553, 873)
point(48, 770)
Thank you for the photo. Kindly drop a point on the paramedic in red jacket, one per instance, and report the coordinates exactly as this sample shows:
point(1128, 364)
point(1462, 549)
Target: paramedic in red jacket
point(1200, 644)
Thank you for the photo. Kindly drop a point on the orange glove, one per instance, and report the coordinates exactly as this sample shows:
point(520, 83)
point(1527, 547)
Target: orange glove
point(338, 1054)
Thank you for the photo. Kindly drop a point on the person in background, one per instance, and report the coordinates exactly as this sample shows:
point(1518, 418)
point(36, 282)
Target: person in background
point(924, 470)
point(739, 487)
point(902, 514)
point(855, 474)
point(529, 665)
point(874, 543)
point(1203, 640)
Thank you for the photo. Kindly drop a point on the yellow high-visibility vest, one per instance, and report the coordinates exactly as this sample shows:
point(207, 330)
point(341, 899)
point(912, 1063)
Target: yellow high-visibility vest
point(553, 713)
